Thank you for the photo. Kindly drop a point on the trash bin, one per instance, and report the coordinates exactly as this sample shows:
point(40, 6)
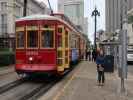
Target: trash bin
point(109, 63)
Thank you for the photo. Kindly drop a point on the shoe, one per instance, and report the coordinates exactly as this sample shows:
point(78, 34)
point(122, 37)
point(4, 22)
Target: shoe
point(102, 84)
point(98, 84)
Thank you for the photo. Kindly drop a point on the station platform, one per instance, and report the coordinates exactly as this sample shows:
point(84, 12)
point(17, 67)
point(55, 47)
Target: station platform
point(81, 84)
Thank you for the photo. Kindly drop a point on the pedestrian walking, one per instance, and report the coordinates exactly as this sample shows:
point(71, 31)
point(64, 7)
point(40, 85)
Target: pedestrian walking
point(86, 56)
point(100, 68)
point(89, 55)
point(94, 55)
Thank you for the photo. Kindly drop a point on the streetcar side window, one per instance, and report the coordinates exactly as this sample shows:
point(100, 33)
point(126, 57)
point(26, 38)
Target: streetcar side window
point(66, 39)
point(47, 39)
point(20, 39)
point(32, 39)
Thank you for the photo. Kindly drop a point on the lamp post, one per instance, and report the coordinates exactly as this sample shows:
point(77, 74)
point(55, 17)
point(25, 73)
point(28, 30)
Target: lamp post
point(95, 13)
point(25, 8)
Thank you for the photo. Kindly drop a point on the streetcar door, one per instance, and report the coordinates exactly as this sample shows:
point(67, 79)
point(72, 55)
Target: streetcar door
point(60, 49)
point(66, 44)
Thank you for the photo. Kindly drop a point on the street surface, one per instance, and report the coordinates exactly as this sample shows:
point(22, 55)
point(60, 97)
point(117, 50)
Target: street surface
point(130, 68)
point(82, 85)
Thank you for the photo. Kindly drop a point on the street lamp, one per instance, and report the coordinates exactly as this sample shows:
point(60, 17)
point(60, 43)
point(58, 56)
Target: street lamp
point(95, 13)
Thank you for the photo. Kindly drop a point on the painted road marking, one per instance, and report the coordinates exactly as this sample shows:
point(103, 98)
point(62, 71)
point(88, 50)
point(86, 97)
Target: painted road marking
point(64, 88)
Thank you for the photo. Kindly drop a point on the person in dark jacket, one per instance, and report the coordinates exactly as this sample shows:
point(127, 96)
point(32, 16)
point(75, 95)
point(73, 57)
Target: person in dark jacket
point(100, 68)
point(89, 55)
point(94, 55)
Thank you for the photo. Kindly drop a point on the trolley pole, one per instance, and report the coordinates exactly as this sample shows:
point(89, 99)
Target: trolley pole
point(95, 13)
point(25, 8)
point(50, 7)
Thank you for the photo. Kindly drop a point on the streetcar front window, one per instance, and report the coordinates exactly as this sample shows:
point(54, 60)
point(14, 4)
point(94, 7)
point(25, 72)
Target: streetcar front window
point(32, 39)
point(47, 39)
point(20, 39)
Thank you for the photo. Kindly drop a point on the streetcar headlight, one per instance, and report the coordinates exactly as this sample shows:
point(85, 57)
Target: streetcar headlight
point(30, 58)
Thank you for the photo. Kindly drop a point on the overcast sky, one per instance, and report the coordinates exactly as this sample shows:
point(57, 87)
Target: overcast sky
point(88, 8)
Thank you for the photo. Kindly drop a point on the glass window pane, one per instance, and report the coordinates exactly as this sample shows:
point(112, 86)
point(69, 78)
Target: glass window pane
point(4, 23)
point(20, 39)
point(59, 30)
point(66, 39)
point(66, 60)
point(32, 39)
point(47, 39)
point(59, 62)
point(60, 55)
point(3, 5)
point(59, 40)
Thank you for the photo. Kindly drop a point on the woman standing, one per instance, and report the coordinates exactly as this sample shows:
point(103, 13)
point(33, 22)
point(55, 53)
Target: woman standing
point(100, 68)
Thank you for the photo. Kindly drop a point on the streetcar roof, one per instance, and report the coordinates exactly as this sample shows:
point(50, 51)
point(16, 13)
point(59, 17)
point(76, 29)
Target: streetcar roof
point(38, 17)
point(43, 17)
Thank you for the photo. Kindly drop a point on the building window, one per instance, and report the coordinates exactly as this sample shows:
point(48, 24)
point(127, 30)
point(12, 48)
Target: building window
point(4, 23)
point(18, 11)
point(3, 5)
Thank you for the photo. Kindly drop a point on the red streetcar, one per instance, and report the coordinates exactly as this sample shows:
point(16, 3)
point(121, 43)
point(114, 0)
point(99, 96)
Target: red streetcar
point(47, 44)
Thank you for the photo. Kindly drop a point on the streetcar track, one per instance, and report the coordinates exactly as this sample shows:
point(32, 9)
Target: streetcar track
point(41, 90)
point(11, 85)
point(33, 95)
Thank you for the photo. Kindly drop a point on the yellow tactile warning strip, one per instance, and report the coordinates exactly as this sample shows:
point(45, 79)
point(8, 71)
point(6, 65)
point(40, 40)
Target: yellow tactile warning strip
point(59, 94)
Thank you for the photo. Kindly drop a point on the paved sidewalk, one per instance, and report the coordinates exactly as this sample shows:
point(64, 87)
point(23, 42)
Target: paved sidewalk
point(6, 69)
point(83, 86)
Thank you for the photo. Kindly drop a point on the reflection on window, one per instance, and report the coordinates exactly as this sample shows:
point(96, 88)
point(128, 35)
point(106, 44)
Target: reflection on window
point(32, 39)
point(20, 39)
point(47, 39)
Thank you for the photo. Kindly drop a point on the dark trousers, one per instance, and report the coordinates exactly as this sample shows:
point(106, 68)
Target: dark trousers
point(101, 76)
point(89, 57)
point(94, 59)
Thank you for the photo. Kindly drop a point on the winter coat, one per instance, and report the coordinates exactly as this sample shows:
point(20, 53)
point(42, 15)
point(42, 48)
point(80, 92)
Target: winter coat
point(100, 61)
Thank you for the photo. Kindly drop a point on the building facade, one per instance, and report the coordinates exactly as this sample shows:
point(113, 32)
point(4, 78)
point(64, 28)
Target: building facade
point(113, 12)
point(10, 10)
point(74, 9)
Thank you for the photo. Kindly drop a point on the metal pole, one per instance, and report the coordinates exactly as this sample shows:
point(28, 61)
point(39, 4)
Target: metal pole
point(95, 13)
point(95, 31)
point(25, 8)
point(124, 45)
point(50, 7)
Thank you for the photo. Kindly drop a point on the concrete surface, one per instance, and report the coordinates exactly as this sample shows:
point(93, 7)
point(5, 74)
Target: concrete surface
point(82, 85)
point(7, 69)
